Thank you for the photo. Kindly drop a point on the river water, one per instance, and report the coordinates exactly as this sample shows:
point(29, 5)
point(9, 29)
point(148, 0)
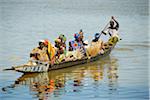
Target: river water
point(121, 76)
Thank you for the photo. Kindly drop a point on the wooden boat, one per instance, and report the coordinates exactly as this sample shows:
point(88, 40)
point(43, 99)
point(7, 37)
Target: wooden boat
point(45, 67)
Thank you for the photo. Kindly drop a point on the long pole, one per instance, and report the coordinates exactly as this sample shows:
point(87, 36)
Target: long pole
point(104, 29)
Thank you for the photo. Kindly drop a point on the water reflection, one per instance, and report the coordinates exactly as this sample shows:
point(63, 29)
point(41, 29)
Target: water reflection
point(77, 79)
point(113, 78)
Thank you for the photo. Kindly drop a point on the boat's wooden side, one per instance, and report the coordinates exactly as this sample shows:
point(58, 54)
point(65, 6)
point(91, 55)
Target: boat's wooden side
point(79, 62)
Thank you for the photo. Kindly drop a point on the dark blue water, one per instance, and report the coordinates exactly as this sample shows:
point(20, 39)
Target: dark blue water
point(122, 76)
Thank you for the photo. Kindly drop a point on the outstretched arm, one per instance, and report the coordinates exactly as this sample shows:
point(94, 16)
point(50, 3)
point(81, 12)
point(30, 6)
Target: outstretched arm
point(117, 24)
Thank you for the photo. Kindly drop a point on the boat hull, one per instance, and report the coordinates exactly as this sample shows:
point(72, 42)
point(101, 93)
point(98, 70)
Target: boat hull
point(44, 67)
point(78, 62)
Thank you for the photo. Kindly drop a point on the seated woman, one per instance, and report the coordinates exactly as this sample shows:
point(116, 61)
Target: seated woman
point(60, 44)
point(44, 53)
point(95, 47)
point(40, 52)
point(77, 45)
point(97, 36)
point(81, 37)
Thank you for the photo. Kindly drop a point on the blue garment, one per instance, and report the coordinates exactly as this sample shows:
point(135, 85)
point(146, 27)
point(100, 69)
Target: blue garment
point(76, 45)
point(76, 36)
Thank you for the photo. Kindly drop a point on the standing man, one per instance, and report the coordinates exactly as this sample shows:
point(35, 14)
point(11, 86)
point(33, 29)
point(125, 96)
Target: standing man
point(113, 27)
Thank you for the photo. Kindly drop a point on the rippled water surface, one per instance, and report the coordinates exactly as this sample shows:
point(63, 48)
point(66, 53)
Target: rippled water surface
point(121, 76)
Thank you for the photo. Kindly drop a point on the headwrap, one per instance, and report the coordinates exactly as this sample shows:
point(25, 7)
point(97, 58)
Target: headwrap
point(76, 35)
point(97, 35)
point(62, 36)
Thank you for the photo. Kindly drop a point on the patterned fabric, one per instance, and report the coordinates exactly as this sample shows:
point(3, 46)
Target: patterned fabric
point(76, 45)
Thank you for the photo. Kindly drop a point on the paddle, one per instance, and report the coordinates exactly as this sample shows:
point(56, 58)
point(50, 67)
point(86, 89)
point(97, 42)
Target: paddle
point(102, 32)
point(12, 68)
